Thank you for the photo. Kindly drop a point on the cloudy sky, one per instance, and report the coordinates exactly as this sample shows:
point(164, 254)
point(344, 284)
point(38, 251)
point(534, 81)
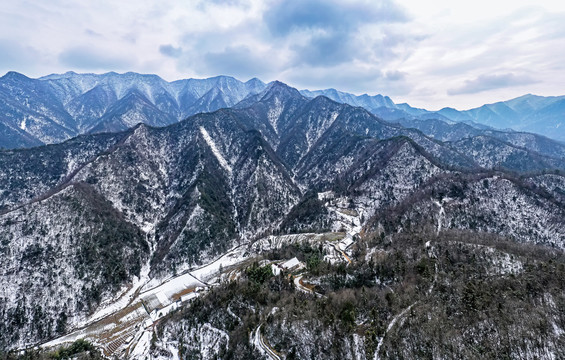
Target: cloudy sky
point(428, 53)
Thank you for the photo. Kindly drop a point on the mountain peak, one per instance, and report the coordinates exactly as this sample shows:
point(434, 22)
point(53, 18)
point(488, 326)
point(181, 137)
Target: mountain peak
point(13, 75)
point(255, 79)
point(276, 91)
point(322, 99)
point(224, 80)
point(255, 82)
point(280, 89)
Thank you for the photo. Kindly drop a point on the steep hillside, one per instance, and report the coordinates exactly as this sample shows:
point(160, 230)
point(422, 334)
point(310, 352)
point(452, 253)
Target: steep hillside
point(30, 106)
point(30, 173)
point(486, 203)
point(62, 256)
point(491, 153)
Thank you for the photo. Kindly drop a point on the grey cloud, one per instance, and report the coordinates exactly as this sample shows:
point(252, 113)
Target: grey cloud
point(490, 82)
point(238, 61)
point(347, 78)
point(170, 51)
point(89, 59)
point(325, 50)
point(15, 55)
point(287, 16)
point(395, 75)
point(332, 28)
point(334, 48)
point(92, 33)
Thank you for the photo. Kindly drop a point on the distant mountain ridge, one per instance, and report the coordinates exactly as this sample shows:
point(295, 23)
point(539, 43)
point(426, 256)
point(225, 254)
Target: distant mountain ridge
point(57, 107)
point(527, 113)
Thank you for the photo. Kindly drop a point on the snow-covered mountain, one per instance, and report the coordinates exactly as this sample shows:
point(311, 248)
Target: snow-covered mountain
point(528, 113)
point(531, 113)
point(371, 103)
point(112, 236)
point(55, 108)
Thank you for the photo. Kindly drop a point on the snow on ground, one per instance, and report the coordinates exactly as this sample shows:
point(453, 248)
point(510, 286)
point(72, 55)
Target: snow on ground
point(128, 321)
point(276, 242)
point(233, 257)
point(168, 289)
point(389, 327)
point(441, 213)
point(345, 219)
point(69, 338)
point(257, 340)
point(141, 349)
point(215, 150)
point(274, 114)
point(358, 347)
point(326, 195)
point(331, 248)
point(130, 317)
point(122, 301)
point(210, 340)
point(500, 262)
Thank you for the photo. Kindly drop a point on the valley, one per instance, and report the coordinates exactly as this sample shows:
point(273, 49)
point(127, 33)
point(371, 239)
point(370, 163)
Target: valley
point(124, 327)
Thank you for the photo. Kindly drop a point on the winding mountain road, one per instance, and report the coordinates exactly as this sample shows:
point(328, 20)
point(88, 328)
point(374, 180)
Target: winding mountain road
point(264, 347)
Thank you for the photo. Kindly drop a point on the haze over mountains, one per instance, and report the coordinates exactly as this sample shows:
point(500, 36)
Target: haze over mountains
point(144, 237)
point(57, 107)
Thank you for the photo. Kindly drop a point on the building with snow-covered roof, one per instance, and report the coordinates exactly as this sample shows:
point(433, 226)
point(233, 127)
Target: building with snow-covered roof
point(292, 265)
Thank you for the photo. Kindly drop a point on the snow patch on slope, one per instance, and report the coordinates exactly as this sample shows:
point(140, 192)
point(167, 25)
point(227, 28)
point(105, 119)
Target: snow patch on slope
point(215, 149)
point(23, 124)
point(275, 113)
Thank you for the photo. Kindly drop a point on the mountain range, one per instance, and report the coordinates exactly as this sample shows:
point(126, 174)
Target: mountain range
point(528, 113)
point(55, 108)
point(151, 236)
